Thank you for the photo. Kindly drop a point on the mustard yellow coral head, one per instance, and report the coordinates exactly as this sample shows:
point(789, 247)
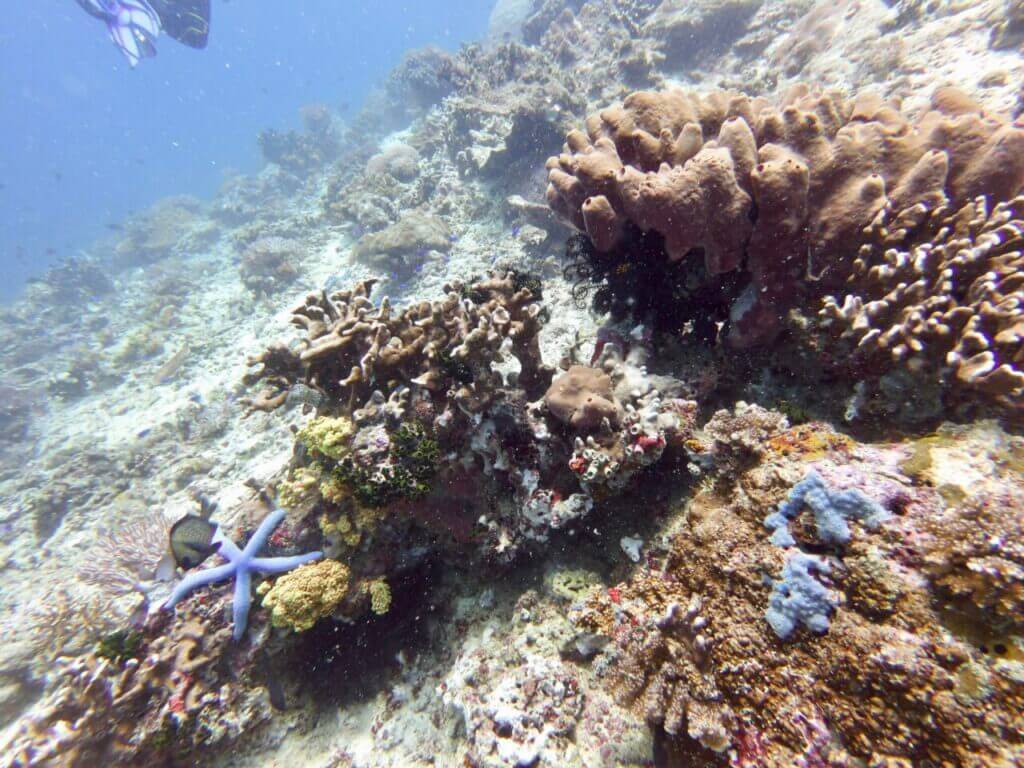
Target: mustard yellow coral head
point(299, 599)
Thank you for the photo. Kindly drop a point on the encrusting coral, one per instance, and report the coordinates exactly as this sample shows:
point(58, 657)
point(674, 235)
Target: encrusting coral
point(582, 399)
point(172, 689)
point(784, 192)
point(893, 681)
point(304, 596)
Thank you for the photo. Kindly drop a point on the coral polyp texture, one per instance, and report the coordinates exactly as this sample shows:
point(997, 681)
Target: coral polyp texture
point(786, 191)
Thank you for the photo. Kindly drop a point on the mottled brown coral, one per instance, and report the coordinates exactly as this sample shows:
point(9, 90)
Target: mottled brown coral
point(268, 264)
point(406, 243)
point(353, 347)
point(174, 696)
point(785, 191)
point(975, 551)
point(954, 301)
point(889, 682)
point(582, 399)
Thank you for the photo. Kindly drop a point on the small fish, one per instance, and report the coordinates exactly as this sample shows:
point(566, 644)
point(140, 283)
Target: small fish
point(114, 226)
point(143, 432)
point(192, 540)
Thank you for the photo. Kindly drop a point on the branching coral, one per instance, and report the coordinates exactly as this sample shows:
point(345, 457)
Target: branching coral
point(783, 192)
point(353, 347)
point(951, 306)
point(154, 697)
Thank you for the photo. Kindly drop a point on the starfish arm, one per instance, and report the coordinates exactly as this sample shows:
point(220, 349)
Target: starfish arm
point(226, 548)
point(198, 579)
point(271, 565)
point(242, 601)
point(259, 539)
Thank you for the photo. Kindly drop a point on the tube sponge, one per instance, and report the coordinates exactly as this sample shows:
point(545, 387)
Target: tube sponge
point(832, 509)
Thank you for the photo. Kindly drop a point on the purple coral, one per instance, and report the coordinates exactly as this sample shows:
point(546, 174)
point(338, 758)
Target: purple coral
point(799, 598)
point(832, 509)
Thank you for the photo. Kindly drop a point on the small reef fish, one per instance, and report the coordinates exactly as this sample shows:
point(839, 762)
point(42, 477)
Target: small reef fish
point(168, 370)
point(192, 541)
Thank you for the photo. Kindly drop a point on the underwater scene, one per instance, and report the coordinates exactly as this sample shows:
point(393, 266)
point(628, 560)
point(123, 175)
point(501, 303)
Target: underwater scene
point(515, 384)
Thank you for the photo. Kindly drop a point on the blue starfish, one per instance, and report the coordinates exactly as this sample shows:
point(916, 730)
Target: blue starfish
point(240, 565)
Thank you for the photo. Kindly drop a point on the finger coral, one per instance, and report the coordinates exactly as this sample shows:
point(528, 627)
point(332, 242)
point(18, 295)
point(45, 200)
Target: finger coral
point(950, 306)
point(783, 191)
point(353, 347)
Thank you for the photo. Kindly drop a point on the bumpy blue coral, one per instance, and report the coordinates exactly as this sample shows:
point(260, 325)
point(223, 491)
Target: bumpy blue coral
point(799, 598)
point(832, 509)
point(240, 565)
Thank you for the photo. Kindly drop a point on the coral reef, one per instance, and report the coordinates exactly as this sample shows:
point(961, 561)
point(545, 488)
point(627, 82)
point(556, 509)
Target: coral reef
point(268, 264)
point(157, 233)
point(165, 696)
point(892, 678)
point(241, 565)
point(304, 596)
point(406, 244)
point(398, 160)
point(302, 153)
point(949, 308)
point(551, 537)
point(784, 192)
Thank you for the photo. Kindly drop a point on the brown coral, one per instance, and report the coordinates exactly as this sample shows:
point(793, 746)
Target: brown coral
point(953, 301)
point(582, 398)
point(172, 697)
point(975, 551)
point(268, 264)
point(785, 191)
point(353, 347)
point(406, 243)
point(691, 650)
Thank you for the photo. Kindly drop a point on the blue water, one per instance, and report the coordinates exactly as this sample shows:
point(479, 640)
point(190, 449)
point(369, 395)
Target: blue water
point(87, 139)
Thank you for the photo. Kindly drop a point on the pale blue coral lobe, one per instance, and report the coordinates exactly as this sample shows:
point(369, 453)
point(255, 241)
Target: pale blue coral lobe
point(241, 563)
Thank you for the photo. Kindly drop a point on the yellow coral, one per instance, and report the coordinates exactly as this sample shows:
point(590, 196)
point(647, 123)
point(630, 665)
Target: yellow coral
point(327, 436)
point(380, 596)
point(304, 596)
point(333, 490)
point(298, 487)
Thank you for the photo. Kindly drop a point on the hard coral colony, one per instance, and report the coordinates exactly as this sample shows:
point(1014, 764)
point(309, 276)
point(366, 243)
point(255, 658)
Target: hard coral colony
point(759, 502)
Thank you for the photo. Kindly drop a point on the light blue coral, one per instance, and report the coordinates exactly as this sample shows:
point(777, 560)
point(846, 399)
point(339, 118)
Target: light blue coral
point(799, 598)
point(240, 565)
point(832, 509)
